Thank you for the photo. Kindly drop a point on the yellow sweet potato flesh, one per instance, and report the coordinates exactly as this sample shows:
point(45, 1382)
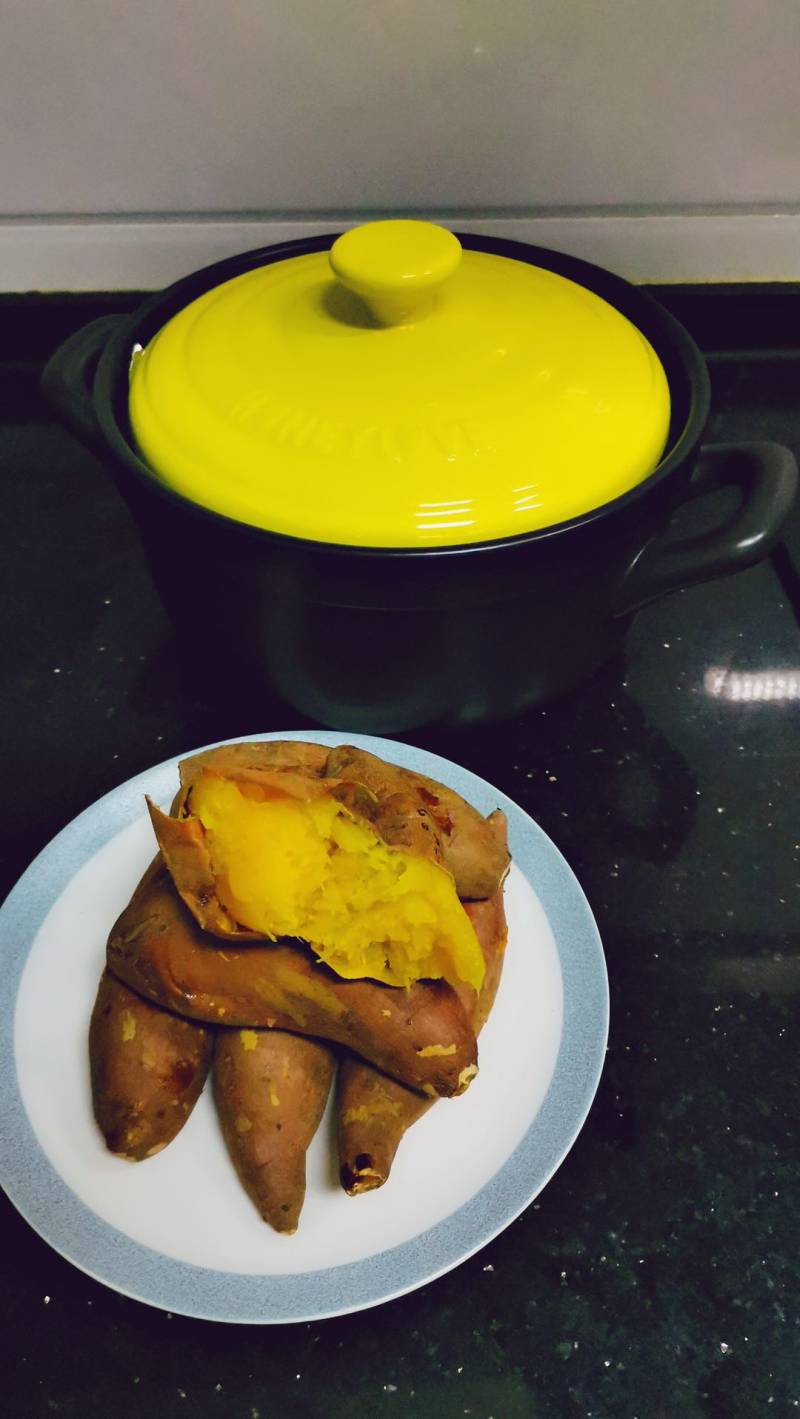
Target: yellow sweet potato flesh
point(284, 867)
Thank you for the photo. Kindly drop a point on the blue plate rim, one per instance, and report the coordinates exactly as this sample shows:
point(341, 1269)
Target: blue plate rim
point(97, 1248)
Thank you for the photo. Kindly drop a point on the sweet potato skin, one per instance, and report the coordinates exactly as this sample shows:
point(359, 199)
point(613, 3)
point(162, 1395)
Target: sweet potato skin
point(309, 759)
point(420, 1035)
point(147, 1068)
point(474, 848)
point(270, 1089)
point(374, 1112)
point(185, 854)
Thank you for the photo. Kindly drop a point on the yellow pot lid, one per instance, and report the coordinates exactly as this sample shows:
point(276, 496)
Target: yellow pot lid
point(400, 392)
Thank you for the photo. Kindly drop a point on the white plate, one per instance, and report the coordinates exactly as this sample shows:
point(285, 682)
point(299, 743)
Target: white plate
point(178, 1231)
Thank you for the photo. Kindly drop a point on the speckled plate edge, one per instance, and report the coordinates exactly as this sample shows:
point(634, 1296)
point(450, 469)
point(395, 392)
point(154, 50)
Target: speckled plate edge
point(98, 1249)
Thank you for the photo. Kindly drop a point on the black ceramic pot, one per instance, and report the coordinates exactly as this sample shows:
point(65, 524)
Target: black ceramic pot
point(388, 640)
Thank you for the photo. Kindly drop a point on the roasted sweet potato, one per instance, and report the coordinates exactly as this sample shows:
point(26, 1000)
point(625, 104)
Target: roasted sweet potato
point(278, 852)
point(336, 847)
point(420, 1035)
point(373, 1111)
point(270, 1089)
point(474, 848)
point(148, 1068)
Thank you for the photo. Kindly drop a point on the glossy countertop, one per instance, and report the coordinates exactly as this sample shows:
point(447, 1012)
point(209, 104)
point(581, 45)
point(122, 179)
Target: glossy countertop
point(657, 1275)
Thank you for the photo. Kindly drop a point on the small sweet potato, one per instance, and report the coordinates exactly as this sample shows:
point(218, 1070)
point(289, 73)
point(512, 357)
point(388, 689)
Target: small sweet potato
point(374, 1112)
point(270, 1089)
point(420, 1035)
point(148, 1068)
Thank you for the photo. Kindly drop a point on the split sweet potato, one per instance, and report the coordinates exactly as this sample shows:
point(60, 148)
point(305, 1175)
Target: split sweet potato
point(420, 1035)
point(147, 1067)
point(270, 1089)
point(277, 854)
point(374, 1112)
point(359, 856)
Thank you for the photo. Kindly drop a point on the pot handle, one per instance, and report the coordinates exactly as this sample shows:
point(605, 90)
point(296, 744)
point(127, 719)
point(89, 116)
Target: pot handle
point(766, 475)
point(68, 376)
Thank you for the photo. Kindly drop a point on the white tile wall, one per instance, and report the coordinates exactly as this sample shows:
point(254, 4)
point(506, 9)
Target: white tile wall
point(243, 111)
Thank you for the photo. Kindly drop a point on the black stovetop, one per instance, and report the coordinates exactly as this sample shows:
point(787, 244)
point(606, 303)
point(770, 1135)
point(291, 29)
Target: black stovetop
point(657, 1275)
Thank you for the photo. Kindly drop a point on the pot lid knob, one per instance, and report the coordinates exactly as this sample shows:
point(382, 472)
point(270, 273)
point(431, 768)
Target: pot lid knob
point(398, 268)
